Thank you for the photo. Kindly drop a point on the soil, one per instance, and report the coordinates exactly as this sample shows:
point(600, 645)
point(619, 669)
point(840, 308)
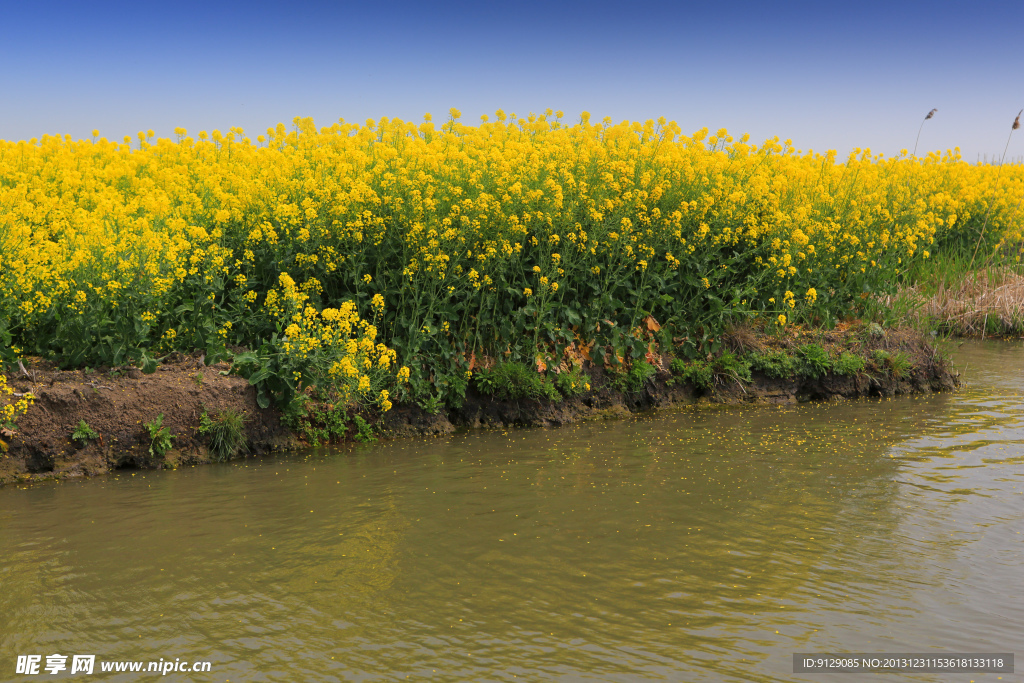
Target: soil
point(117, 404)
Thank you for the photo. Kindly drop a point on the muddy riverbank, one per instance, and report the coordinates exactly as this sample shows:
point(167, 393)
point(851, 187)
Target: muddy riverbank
point(117, 405)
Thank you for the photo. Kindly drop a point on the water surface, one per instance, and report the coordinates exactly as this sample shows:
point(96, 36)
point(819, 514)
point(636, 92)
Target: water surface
point(691, 545)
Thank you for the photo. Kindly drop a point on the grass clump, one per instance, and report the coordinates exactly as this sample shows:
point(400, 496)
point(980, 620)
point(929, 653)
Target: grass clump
point(901, 365)
point(730, 367)
point(896, 363)
point(952, 295)
point(326, 420)
point(226, 430)
point(322, 418)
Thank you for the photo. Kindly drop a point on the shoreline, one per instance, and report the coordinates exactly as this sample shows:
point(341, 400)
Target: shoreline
point(118, 404)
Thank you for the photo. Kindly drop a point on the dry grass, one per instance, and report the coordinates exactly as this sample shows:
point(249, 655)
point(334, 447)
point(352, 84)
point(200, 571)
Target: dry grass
point(978, 304)
point(741, 338)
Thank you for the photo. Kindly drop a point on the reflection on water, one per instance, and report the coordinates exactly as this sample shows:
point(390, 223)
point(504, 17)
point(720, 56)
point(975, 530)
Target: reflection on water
point(696, 545)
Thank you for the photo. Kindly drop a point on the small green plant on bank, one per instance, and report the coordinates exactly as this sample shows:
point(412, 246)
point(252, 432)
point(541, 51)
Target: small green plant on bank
point(550, 392)
point(880, 358)
point(452, 388)
point(776, 364)
point(226, 430)
point(897, 363)
point(900, 364)
point(699, 373)
point(848, 364)
point(730, 367)
point(703, 374)
point(320, 422)
point(634, 379)
point(160, 437)
point(84, 433)
point(810, 360)
point(572, 383)
point(813, 361)
point(514, 381)
point(364, 430)
point(198, 378)
point(431, 404)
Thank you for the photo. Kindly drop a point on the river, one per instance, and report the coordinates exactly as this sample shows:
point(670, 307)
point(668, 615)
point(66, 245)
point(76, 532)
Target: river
point(695, 544)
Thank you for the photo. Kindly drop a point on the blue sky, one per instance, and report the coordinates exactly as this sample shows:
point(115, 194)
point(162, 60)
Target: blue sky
point(829, 76)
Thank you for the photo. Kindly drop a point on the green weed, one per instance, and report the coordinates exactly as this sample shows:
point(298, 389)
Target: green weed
point(900, 364)
point(84, 433)
point(572, 383)
point(364, 430)
point(778, 364)
point(896, 363)
point(730, 367)
point(226, 430)
point(160, 437)
point(848, 364)
point(813, 361)
point(431, 404)
point(514, 381)
point(319, 422)
point(635, 378)
point(698, 373)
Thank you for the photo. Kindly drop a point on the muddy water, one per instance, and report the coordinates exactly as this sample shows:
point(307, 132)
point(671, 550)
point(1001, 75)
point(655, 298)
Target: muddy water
point(693, 545)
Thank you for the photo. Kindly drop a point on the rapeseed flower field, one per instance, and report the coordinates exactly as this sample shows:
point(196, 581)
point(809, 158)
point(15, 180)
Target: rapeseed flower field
point(388, 259)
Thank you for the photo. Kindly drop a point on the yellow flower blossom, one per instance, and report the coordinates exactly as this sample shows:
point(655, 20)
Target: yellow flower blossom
point(221, 236)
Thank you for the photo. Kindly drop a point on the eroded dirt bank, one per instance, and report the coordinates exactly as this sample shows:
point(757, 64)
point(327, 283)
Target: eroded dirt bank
point(118, 404)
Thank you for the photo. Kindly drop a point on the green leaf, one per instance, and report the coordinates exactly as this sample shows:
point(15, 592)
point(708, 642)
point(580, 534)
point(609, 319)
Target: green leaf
point(246, 357)
point(215, 356)
point(262, 399)
point(148, 364)
point(260, 375)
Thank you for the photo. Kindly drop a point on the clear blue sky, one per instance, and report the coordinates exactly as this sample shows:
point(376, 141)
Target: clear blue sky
point(827, 75)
